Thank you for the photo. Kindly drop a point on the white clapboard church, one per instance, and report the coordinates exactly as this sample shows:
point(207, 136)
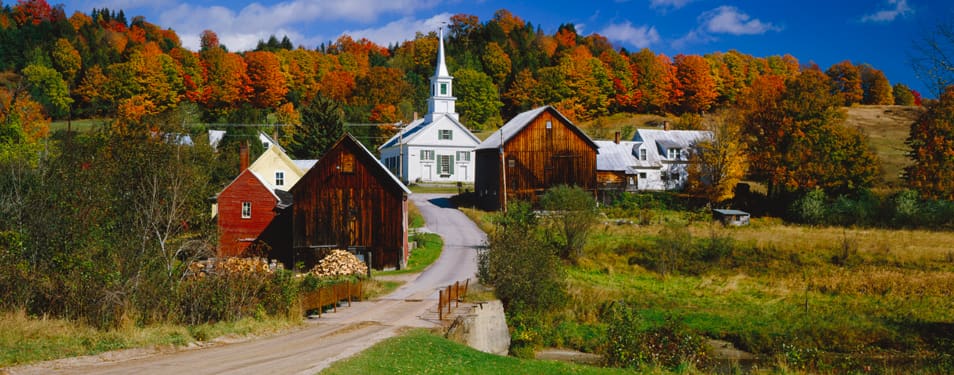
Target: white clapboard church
point(436, 148)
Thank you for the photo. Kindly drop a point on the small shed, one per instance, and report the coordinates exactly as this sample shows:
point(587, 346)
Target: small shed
point(728, 217)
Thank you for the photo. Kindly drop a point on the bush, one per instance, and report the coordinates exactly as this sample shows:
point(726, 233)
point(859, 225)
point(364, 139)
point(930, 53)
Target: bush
point(571, 214)
point(632, 343)
point(526, 274)
point(811, 208)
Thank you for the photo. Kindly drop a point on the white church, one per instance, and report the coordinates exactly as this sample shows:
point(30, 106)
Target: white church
point(436, 148)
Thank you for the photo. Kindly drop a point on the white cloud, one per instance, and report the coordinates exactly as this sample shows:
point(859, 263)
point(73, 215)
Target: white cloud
point(900, 8)
point(398, 31)
point(640, 37)
point(729, 20)
point(240, 30)
point(675, 4)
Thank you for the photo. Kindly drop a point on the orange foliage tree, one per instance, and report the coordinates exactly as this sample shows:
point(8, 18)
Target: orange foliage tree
point(846, 81)
point(932, 149)
point(266, 79)
point(696, 83)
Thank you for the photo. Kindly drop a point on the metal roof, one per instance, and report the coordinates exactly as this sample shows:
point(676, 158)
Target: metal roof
point(616, 156)
point(725, 211)
point(305, 164)
point(521, 120)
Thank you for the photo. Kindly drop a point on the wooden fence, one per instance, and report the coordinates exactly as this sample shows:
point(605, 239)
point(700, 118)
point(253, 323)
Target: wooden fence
point(331, 295)
point(452, 293)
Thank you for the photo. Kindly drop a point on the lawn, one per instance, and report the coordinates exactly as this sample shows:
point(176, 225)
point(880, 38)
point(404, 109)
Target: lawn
point(422, 352)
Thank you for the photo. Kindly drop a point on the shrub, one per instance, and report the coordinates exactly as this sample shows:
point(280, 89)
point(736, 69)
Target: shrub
point(571, 215)
point(811, 208)
point(525, 273)
point(631, 343)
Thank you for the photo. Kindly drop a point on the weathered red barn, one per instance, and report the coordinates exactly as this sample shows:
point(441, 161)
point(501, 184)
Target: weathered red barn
point(534, 151)
point(349, 200)
point(248, 210)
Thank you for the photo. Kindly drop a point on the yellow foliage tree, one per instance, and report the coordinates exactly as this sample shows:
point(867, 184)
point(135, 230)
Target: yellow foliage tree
point(717, 164)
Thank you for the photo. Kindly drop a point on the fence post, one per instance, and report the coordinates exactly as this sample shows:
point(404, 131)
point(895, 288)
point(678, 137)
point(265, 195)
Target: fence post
point(466, 285)
point(334, 297)
point(349, 293)
point(448, 299)
point(320, 306)
point(457, 294)
point(440, 305)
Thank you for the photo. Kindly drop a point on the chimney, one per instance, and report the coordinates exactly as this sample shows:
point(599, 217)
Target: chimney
point(243, 156)
point(666, 125)
point(415, 116)
point(616, 137)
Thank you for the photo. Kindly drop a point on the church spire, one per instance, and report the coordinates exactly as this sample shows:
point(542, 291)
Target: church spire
point(442, 97)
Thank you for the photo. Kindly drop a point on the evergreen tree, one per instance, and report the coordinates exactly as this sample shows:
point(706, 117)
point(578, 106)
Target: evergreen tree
point(322, 123)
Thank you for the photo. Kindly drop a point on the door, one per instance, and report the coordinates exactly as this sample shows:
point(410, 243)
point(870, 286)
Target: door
point(427, 172)
point(463, 174)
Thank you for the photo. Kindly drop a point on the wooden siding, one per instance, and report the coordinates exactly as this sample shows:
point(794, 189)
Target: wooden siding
point(538, 158)
point(361, 208)
point(236, 233)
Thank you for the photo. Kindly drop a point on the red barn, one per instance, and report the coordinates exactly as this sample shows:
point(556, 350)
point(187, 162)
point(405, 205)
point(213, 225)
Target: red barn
point(247, 211)
point(349, 200)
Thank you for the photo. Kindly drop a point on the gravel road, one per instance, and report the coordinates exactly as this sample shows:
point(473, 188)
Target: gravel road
point(332, 337)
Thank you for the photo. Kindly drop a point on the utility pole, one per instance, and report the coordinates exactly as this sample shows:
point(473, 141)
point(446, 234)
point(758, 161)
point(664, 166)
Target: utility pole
point(503, 174)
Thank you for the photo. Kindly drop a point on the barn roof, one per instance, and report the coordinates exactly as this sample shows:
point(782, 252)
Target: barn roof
point(372, 161)
point(520, 121)
point(305, 164)
point(724, 211)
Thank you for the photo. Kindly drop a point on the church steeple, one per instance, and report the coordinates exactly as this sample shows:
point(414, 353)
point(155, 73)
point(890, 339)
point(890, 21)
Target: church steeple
point(442, 97)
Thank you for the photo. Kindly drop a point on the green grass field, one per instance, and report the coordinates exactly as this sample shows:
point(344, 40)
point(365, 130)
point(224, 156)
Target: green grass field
point(81, 126)
point(421, 352)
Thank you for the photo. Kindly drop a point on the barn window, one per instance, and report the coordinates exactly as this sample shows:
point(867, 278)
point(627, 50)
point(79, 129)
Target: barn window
point(279, 178)
point(445, 165)
point(246, 210)
point(427, 155)
point(463, 156)
point(511, 163)
point(445, 134)
point(347, 163)
point(549, 124)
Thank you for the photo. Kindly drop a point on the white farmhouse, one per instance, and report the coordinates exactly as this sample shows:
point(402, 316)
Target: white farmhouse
point(657, 158)
point(436, 148)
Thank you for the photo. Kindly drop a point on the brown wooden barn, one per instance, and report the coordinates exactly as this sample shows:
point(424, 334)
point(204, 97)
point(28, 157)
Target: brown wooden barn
point(249, 211)
point(532, 152)
point(348, 200)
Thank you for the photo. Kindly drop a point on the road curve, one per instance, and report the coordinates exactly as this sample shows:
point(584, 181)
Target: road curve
point(333, 337)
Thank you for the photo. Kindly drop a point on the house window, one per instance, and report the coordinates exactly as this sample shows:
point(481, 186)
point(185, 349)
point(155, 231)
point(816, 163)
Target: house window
point(632, 180)
point(511, 163)
point(642, 176)
point(642, 154)
point(443, 89)
point(246, 210)
point(445, 134)
point(427, 155)
point(463, 156)
point(445, 165)
point(674, 153)
point(279, 178)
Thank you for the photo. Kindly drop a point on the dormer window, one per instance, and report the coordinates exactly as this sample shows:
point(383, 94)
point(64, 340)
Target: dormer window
point(674, 153)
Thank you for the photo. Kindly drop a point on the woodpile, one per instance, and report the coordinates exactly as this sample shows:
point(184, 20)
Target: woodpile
point(339, 263)
point(231, 265)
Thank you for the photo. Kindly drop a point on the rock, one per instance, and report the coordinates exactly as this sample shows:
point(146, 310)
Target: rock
point(484, 328)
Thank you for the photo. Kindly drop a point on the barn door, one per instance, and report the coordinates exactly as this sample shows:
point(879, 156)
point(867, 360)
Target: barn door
point(562, 172)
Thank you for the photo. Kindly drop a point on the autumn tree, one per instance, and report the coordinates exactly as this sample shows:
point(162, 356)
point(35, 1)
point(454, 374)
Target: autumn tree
point(902, 94)
point(520, 96)
point(696, 83)
point(797, 139)
point(657, 81)
point(932, 149)
point(322, 123)
point(496, 63)
point(67, 60)
point(846, 82)
point(718, 163)
point(478, 101)
point(266, 79)
point(48, 87)
point(876, 88)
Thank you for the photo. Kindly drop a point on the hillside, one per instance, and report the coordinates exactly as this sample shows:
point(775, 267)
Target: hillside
point(887, 126)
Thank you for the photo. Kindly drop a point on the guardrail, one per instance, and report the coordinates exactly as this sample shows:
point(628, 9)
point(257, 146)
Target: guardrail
point(452, 293)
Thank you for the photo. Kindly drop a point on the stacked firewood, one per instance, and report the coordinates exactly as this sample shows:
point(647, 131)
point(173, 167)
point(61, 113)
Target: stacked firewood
point(339, 263)
point(231, 265)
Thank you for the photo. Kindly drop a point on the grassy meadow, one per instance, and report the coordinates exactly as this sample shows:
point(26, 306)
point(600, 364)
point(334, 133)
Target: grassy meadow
point(800, 298)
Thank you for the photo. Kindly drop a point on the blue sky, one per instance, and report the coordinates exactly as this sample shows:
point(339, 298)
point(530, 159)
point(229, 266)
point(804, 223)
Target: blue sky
point(877, 32)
